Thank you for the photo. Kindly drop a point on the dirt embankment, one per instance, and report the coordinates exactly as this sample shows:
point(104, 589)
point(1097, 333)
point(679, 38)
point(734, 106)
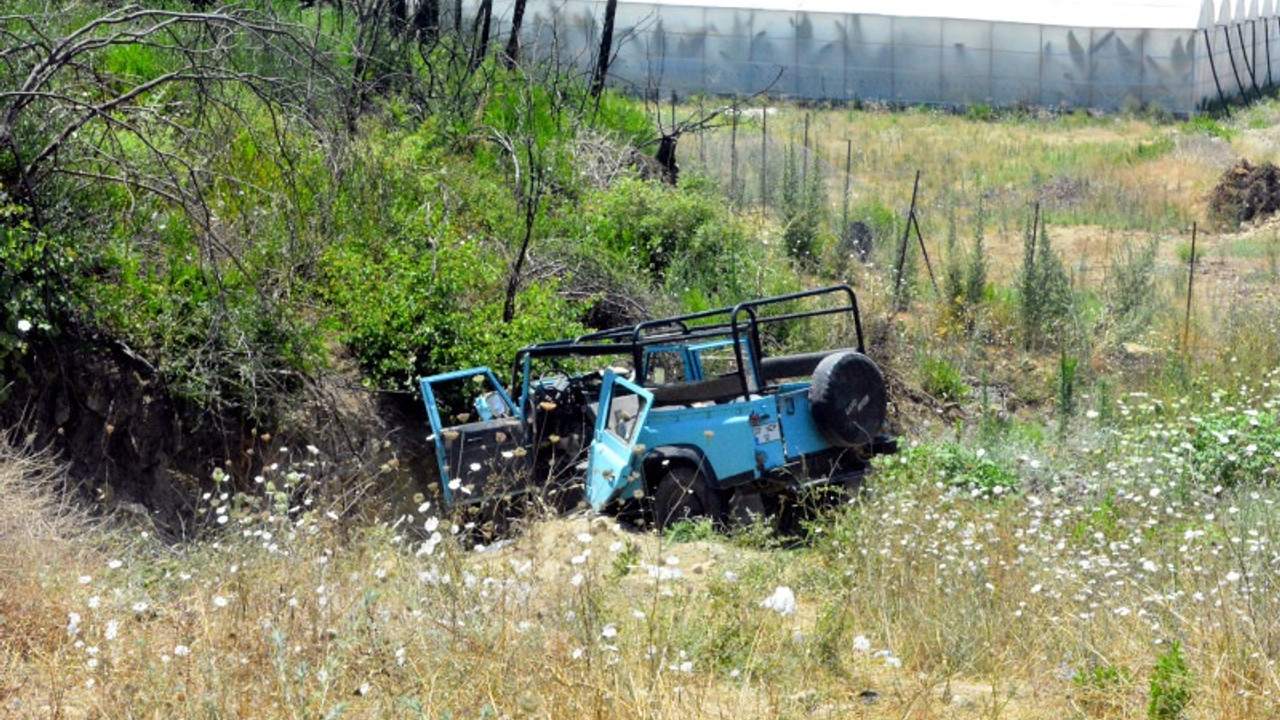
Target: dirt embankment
point(131, 447)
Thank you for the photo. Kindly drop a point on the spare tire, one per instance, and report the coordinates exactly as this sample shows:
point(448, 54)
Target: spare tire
point(848, 398)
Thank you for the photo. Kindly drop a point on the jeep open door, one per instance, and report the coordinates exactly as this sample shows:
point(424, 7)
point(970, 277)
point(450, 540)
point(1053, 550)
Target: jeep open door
point(624, 408)
point(484, 459)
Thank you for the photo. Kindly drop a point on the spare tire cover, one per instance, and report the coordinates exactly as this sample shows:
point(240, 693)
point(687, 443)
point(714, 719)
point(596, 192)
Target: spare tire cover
point(848, 398)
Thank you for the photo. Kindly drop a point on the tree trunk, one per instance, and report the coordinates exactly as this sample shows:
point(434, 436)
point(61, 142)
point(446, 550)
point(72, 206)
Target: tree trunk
point(666, 157)
point(426, 20)
point(512, 54)
point(484, 22)
point(606, 49)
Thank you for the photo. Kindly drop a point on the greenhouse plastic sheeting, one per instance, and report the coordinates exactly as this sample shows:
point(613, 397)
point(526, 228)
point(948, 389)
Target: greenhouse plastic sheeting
point(1161, 54)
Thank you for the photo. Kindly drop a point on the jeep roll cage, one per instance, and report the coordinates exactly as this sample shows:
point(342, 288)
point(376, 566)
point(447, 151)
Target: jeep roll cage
point(739, 324)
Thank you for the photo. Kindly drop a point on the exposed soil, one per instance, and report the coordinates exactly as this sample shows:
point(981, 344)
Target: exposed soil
point(129, 447)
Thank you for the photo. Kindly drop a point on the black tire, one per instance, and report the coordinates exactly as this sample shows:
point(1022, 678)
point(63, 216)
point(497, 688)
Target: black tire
point(683, 494)
point(848, 399)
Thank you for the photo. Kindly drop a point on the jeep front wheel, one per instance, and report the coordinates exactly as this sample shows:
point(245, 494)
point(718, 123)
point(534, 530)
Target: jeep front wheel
point(683, 494)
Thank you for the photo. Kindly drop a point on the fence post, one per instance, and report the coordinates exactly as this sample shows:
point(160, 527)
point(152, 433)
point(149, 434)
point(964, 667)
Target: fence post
point(1191, 277)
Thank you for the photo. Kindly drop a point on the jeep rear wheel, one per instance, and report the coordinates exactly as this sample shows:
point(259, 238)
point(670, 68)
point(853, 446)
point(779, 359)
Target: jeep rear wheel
point(848, 398)
point(683, 494)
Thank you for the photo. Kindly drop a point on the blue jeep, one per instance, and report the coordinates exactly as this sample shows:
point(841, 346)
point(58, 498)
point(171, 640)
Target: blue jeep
point(691, 413)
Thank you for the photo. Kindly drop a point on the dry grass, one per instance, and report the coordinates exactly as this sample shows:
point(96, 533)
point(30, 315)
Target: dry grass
point(929, 599)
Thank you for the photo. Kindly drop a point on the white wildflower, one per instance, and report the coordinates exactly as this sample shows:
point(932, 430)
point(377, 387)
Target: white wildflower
point(782, 601)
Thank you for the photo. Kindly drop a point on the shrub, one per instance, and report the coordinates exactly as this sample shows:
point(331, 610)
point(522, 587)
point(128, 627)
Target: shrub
point(36, 277)
point(1170, 685)
point(1046, 296)
point(957, 466)
point(407, 312)
point(964, 278)
point(1233, 448)
point(1131, 290)
point(942, 380)
point(1102, 687)
point(685, 240)
point(803, 209)
point(217, 340)
point(1208, 126)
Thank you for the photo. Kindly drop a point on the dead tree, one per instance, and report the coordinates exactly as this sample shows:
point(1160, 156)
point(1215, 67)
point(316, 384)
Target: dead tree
point(669, 134)
point(511, 55)
point(605, 53)
point(483, 26)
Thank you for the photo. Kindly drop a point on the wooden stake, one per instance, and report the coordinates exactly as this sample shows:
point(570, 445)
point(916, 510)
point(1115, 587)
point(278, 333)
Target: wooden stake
point(1191, 277)
point(764, 159)
point(906, 238)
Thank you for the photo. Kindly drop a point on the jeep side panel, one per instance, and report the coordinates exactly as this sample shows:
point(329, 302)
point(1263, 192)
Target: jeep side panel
point(801, 433)
point(738, 440)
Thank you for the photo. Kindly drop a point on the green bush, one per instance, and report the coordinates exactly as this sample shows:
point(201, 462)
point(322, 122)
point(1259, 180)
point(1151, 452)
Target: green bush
point(1208, 126)
point(38, 275)
point(1131, 290)
point(1046, 296)
point(215, 337)
point(1234, 448)
point(1185, 256)
point(953, 465)
point(802, 207)
point(408, 311)
point(942, 380)
point(684, 240)
point(1170, 690)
